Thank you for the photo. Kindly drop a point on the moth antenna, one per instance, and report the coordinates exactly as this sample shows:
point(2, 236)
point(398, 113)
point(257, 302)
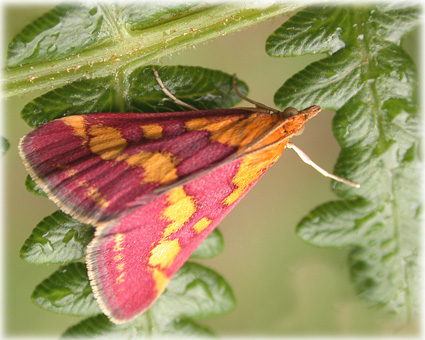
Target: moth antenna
point(168, 93)
point(308, 161)
point(257, 104)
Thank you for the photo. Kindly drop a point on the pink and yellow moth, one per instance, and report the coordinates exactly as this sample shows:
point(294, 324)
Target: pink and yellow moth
point(154, 185)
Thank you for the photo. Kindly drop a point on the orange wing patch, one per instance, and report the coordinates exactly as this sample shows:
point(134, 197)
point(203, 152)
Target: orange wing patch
point(210, 125)
point(152, 131)
point(71, 173)
point(78, 125)
point(106, 141)
point(96, 196)
point(234, 131)
point(159, 167)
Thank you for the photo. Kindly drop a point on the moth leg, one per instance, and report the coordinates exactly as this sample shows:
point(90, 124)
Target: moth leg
point(169, 94)
point(308, 161)
point(257, 104)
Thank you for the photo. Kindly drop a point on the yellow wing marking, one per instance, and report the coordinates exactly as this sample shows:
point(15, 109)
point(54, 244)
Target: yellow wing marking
point(164, 253)
point(201, 224)
point(118, 258)
point(120, 278)
point(251, 168)
point(179, 210)
point(181, 207)
point(161, 280)
point(119, 239)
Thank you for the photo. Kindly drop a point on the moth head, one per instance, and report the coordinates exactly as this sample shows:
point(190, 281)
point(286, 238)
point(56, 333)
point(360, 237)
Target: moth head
point(308, 113)
point(311, 111)
point(290, 112)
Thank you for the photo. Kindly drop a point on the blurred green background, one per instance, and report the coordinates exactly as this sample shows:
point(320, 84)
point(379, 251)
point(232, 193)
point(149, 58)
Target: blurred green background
point(284, 287)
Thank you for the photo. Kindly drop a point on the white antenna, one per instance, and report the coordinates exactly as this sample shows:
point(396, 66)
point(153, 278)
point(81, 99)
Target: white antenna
point(308, 161)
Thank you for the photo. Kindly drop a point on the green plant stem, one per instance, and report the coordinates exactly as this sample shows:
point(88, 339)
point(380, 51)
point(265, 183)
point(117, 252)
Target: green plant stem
point(134, 49)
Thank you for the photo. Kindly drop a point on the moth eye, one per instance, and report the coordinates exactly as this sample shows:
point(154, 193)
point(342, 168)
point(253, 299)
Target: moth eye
point(289, 112)
point(300, 131)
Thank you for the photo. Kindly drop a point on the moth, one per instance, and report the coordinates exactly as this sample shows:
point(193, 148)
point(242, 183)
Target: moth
point(154, 185)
